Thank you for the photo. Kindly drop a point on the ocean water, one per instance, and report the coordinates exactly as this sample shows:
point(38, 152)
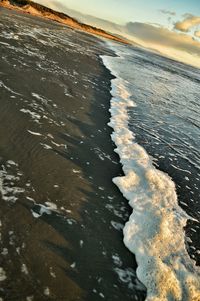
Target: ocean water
point(156, 129)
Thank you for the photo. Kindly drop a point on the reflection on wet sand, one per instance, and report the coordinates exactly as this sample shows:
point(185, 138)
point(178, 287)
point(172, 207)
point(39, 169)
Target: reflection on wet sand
point(61, 216)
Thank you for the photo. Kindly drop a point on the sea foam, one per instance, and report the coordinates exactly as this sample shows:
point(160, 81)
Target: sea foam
point(154, 232)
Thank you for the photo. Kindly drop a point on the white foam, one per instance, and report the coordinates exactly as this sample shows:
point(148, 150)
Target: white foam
point(73, 265)
point(29, 298)
point(4, 252)
point(128, 276)
point(52, 273)
point(46, 146)
point(2, 85)
point(35, 214)
point(117, 226)
point(51, 206)
point(48, 208)
point(154, 232)
point(76, 171)
point(10, 162)
point(36, 117)
point(24, 269)
point(9, 189)
point(34, 133)
point(46, 291)
point(2, 274)
point(101, 295)
point(116, 259)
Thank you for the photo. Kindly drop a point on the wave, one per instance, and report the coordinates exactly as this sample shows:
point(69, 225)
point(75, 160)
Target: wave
point(154, 232)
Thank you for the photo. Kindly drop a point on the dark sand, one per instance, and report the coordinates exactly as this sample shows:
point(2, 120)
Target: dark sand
point(76, 252)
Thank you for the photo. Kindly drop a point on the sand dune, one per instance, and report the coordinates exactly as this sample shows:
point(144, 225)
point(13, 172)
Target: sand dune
point(42, 11)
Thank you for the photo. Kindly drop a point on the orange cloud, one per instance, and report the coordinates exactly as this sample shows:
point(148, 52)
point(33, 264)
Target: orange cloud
point(188, 23)
point(197, 33)
point(179, 46)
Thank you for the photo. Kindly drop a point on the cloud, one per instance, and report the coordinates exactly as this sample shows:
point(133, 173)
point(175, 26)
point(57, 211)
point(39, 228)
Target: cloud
point(188, 23)
point(163, 36)
point(197, 33)
point(167, 12)
point(176, 45)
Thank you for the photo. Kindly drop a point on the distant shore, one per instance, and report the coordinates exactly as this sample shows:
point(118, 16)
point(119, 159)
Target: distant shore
point(39, 10)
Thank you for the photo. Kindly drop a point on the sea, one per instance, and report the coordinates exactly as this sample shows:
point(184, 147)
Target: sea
point(99, 168)
point(156, 129)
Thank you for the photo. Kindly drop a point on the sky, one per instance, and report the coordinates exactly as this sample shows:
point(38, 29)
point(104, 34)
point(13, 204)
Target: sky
point(123, 11)
point(171, 27)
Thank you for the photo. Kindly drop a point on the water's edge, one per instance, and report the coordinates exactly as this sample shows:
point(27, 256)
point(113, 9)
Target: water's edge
point(154, 232)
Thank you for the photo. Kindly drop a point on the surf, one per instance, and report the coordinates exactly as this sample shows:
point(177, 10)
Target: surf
point(155, 230)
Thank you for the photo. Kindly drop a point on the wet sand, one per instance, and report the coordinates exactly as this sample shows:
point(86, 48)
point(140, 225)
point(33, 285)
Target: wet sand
point(61, 215)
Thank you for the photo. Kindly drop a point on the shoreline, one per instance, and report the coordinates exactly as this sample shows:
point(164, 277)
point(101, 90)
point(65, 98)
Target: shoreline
point(64, 229)
point(145, 186)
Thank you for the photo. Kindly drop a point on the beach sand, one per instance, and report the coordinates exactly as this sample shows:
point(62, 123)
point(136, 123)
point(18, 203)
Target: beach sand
point(61, 215)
